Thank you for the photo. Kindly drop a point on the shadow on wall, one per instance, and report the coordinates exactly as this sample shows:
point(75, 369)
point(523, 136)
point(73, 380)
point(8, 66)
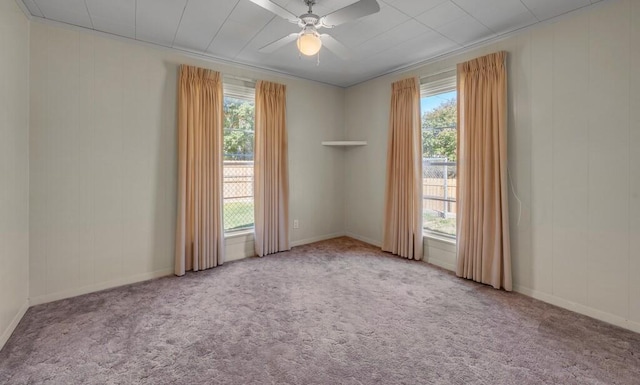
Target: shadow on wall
point(519, 182)
point(166, 175)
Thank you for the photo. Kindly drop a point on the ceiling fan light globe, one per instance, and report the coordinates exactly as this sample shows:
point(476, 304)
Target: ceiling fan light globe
point(309, 44)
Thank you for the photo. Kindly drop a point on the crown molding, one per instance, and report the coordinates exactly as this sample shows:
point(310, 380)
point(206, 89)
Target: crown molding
point(481, 43)
point(268, 71)
point(24, 9)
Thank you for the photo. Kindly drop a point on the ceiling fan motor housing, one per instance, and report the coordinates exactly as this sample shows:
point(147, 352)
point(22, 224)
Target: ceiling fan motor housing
point(309, 19)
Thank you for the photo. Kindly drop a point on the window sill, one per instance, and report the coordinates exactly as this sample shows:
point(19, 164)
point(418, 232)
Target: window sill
point(238, 234)
point(439, 238)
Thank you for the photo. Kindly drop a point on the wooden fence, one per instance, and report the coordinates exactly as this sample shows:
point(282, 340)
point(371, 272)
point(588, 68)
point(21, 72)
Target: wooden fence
point(238, 181)
point(238, 186)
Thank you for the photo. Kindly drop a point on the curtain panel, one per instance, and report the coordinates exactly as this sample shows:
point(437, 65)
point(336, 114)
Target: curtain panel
point(271, 185)
point(199, 231)
point(403, 191)
point(483, 248)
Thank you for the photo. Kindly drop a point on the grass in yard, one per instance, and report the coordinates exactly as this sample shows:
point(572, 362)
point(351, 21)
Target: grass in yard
point(238, 215)
point(434, 222)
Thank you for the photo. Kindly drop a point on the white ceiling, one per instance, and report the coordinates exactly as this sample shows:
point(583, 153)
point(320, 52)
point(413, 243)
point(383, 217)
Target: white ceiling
point(404, 32)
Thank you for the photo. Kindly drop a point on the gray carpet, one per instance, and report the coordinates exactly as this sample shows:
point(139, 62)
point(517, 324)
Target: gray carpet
point(335, 312)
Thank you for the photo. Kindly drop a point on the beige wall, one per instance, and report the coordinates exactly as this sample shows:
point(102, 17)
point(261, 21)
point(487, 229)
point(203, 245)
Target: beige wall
point(574, 131)
point(103, 161)
point(14, 167)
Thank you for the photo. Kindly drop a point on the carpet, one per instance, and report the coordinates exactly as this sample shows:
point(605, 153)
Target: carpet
point(333, 312)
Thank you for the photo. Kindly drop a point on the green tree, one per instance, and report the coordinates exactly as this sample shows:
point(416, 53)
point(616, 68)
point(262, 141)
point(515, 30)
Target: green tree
point(238, 129)
point(439, 133)
point(443, 116)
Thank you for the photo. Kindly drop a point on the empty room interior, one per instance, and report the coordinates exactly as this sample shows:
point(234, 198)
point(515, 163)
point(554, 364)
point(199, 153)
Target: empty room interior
point(319, 192)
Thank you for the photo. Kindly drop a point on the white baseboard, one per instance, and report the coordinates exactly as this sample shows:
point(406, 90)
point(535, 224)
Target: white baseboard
point(97, 287)
point(14, 323)
point(364, 239)
point(317, 239)
point(548, 298)
point(578, 308)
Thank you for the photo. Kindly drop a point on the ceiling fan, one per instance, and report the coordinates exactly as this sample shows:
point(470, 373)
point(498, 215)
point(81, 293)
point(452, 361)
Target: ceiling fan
point(309, 41)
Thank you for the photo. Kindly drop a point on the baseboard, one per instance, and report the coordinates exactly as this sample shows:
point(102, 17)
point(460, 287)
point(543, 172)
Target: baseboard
point(97, 287)
point(364, 239)
point(317, 239)
point(578, 308)
point(549, 298)
point(14, 323)
point(443, 264)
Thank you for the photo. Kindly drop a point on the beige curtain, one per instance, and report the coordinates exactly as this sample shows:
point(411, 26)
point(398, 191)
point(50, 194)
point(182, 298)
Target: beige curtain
point(271, 189)
point(199, 233)
point(483, 249)
point(403, 193)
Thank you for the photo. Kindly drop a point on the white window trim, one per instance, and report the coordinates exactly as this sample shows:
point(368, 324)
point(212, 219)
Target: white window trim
point(240, 89)
point(238, 233)
point(439, 237)
point(439, 83)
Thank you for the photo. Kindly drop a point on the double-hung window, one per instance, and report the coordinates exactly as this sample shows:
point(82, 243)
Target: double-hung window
point(438, 103)
point(238, 144)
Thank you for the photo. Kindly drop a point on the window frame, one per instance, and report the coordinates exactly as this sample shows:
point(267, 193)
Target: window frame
point(244, 90)
point(440, 83)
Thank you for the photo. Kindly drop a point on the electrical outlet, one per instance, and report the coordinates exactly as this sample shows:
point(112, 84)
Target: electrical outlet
point(296, 224)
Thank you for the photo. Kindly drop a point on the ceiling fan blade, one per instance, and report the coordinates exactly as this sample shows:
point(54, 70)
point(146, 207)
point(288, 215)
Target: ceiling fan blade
point(276, 45)
point(335, 46)
point(278, 10)
point(350, 12)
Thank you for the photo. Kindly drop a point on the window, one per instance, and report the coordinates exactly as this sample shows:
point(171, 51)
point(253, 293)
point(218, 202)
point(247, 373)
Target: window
point(438, 105)
point(238, 141)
